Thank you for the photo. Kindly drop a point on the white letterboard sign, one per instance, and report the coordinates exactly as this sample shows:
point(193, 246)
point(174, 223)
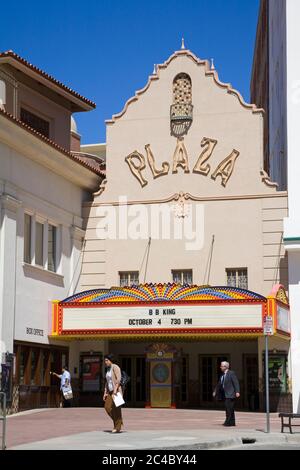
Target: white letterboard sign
point(162, 317)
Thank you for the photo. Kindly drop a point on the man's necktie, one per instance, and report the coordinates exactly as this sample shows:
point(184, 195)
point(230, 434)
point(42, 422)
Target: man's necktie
point(223, 380)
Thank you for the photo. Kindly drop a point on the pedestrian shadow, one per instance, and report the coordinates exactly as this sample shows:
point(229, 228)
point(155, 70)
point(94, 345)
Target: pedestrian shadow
point(108, 431)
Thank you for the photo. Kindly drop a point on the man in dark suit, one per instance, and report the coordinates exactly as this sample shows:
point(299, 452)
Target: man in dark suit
point(228, 389)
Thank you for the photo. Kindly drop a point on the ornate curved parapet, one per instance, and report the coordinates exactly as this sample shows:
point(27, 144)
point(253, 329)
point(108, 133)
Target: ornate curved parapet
point(208, 72)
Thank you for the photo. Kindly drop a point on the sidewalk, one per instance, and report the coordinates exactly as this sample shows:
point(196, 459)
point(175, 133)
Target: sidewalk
point(160, 440)
point(89, 428)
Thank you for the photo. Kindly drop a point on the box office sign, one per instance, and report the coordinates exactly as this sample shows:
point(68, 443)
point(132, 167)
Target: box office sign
point(177, 317)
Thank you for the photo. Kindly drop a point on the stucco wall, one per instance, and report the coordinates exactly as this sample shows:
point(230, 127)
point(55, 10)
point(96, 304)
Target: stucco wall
point(27, 290)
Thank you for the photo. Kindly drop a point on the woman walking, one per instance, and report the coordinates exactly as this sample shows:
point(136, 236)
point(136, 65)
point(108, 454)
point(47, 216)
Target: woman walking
point(112, 387)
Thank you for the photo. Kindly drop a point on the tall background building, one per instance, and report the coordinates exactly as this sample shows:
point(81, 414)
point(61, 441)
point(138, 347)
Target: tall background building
point(268, 86)
point(277, 87)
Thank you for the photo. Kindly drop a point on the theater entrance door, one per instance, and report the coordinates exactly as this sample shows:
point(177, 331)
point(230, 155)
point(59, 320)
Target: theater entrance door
point(135, 393)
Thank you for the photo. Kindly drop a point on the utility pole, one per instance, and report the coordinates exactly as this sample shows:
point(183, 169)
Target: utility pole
point(268, 331)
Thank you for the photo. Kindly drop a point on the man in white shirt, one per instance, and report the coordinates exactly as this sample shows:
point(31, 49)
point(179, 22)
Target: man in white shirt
point(65, 385)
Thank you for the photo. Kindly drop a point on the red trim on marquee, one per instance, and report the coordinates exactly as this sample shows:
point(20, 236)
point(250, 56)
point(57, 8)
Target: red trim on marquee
point(190, 332)
point(153, 304)
point(162, 331)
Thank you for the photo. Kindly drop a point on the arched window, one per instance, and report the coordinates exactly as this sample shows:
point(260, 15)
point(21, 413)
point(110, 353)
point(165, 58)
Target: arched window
point(2, 94)
point(182, 109)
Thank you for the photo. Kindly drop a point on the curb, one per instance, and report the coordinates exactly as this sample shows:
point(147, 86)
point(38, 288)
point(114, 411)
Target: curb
point(237, 441)
point(27, 412)
point(277, 439)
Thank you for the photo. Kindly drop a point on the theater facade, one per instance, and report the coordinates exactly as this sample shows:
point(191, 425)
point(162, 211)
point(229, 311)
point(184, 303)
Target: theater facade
point(171, 339)
point(183, 256)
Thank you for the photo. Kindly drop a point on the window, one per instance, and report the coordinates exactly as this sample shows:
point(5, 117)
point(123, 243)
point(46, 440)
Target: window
point(184, 276)
point(27, 238)
point(39, 241)
point(237, 278)
point(34, 364)
point(64, 361)
point(22, 365)
point(51, 248)
point(44, 357)
point(129, 278)
point(36, 122)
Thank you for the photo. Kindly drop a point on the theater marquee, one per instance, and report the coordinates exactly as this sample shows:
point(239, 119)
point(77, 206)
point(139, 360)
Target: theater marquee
point(170, 310)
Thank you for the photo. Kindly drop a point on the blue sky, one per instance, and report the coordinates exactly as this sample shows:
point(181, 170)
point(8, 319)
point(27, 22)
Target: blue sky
point(105, 49)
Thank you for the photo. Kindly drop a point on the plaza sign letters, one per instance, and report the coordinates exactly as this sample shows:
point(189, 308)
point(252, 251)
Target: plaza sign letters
point(137, 162)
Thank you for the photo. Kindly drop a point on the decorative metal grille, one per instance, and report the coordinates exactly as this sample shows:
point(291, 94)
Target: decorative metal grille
point(183, 277)
point(129, 278)
point(181, 112)
point(242, 279)
point(237, 278)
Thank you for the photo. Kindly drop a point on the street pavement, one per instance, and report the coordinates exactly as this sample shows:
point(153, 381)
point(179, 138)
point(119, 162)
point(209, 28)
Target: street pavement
point(90, 428)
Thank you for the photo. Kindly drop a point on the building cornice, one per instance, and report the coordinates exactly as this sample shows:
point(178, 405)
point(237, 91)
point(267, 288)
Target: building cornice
point(187, 196)
point(292, 244)
point(9, 202)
